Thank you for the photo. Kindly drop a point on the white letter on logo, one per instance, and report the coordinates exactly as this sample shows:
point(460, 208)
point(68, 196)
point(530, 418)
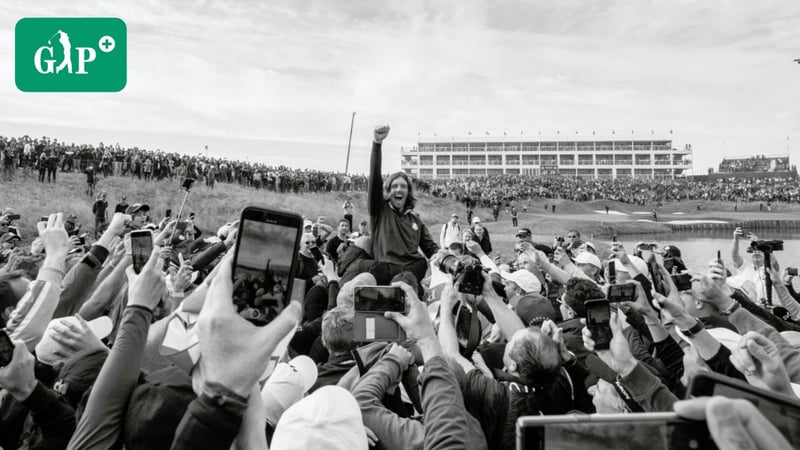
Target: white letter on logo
point(37, 60)
point(85, 55)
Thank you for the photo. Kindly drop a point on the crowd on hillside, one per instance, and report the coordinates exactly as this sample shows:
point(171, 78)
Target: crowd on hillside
point(170, 354)
point(486, 191)
point(49, 156)
point(754, 164)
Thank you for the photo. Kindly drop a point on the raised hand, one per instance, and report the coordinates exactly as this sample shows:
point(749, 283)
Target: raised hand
point(381, 132)
point(760, 361)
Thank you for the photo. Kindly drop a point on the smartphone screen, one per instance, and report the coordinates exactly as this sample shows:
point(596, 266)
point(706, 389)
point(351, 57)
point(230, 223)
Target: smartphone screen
point(781, 411)
point(598, 318)
point(612, 272)
point(621, 293)
point(264, 265)
point(141, 248)
point(169, 213)
point(6, 349)
point(379, 299)
point(624, 434)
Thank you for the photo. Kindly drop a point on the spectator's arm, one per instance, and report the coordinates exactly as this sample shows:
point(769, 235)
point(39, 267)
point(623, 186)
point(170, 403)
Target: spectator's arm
point(744, 322)
point(100, 425)
point(392, 431)
point(448, 337)
point(445, 414)
point(507, 320)
point(207, 256)
point(333, 293)
point(79, 281)
point(556, 273)
point(786, 299)
point(210, 423)
point(442, 235)
point(53, 415)
point(647, 390)
point(735, 256)
point(764, 315)
point(100, 302)
point(721, 364)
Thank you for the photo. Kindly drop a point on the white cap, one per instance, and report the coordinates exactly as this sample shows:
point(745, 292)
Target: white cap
point(476, 219)
point(46, 348)
point(287, 385)
point(637, 262)
point(330, 418)
point(525, 280)
point(588, 258)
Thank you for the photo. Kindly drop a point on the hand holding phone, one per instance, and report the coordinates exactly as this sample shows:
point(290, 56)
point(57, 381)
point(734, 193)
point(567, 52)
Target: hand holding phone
point(140, 247)
point(371, 303)
point(607, 329)
point(265, 263)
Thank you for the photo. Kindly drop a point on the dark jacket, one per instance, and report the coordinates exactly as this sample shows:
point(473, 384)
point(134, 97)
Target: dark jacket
point(397, 236)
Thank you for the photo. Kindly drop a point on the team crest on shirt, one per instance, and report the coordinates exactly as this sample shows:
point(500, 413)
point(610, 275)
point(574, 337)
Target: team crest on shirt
point(414, 226)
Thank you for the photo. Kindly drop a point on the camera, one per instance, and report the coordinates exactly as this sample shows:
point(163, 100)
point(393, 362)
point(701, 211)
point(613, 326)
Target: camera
point(13, 217)
point(767, 246)
point(792, 271)
point(466, 271)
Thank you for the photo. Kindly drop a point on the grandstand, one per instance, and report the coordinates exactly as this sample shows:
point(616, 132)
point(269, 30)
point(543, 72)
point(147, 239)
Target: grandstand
point(755, 164)
point(610, 158)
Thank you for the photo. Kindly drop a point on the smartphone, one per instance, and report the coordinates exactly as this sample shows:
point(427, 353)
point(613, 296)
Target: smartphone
point(683, 281)
point(370, 302)
point(169, 214)
point(792, 271)
point(780, 410)
point(82, 238)
point(598, 320)
point(13, 217)
point(44, 219)
point(265, 263)
point(612, 272)
point(187, 184)
point(621, 293)
point(6, 348)
point(653, 431)
point(614, 238)
point(719, 255)
point(140, 247)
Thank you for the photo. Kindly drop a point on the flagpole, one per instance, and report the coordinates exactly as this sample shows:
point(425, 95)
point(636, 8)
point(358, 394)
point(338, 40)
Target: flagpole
point(349, 140)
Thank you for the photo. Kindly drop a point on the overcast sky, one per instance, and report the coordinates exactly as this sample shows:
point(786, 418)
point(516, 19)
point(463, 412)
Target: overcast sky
point(286, 75)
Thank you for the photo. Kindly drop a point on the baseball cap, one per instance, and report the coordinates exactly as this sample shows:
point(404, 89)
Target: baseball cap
point(588, 258)
point(534, 309)
point(476, 219)
point(670, 251)
point(525, 232)
point(329, 418)
point(136, 207)
point(455, 215)
point(47, 349)
point(525, 280)
point(307, 223)
point(637, 262)
point(287, 385)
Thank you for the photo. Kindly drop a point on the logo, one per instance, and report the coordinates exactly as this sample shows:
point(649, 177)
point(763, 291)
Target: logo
point(71, 54)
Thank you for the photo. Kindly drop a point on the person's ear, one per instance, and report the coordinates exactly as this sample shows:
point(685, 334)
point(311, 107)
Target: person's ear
point(6, 313)
point(512, 366)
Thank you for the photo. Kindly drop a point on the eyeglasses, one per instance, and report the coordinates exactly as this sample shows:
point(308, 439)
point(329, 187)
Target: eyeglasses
point(572, 236)
point(309, 242)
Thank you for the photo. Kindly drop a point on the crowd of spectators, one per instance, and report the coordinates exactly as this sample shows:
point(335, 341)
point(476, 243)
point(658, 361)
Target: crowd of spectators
point(489, 190)
point(50, 156)
point(754, 164)
point(103, 355)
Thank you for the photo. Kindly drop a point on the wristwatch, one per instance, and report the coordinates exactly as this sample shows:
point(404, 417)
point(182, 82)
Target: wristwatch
point(732, 309)
point(698, 327)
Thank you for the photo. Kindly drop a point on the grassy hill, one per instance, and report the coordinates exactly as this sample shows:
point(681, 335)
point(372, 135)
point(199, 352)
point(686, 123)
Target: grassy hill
point(32, 199)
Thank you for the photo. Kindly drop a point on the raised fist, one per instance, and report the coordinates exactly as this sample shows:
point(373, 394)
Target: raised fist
point(381, 132)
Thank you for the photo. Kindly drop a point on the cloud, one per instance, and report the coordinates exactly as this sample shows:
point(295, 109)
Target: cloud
point(289, 71)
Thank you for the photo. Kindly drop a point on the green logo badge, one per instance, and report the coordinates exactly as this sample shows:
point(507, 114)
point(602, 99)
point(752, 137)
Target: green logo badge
point(71, 55)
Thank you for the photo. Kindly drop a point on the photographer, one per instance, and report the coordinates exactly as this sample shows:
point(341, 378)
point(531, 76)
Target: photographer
point(397, 231)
